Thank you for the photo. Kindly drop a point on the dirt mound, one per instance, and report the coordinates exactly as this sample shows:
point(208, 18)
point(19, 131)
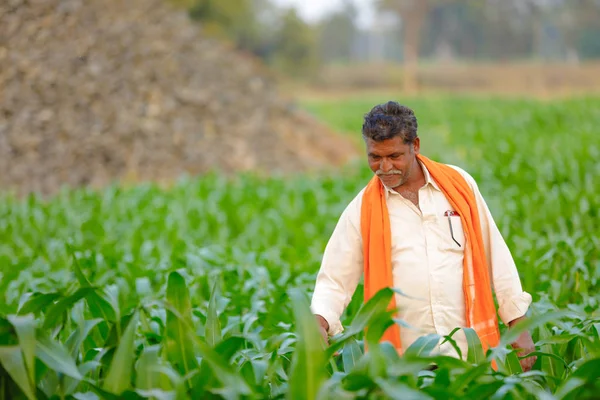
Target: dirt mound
point(97, 90)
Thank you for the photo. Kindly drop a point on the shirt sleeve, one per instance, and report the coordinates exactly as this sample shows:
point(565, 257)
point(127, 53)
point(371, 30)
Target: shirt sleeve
point(340, 270)
point(513, 302)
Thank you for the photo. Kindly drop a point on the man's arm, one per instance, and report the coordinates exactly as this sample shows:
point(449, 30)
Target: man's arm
point(513, 302)
point(340, 270)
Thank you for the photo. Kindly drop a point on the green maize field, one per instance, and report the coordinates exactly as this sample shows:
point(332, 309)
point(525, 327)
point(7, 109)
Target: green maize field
point(201, 290)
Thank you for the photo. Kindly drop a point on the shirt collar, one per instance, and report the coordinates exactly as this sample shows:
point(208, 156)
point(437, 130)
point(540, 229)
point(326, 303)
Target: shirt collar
point(428, 181)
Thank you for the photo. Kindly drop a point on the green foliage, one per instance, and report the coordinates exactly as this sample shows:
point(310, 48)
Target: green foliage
point(295, 47)
point(275, 34)
point(200, 290)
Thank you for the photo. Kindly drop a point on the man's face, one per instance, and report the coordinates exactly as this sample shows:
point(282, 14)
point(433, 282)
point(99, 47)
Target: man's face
point(392, 160)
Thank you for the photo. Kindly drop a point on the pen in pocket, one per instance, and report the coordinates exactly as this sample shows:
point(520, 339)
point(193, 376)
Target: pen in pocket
point(452, 214)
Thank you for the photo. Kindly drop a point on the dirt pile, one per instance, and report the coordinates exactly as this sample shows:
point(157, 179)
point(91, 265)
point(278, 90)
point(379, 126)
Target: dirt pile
point(97, 90)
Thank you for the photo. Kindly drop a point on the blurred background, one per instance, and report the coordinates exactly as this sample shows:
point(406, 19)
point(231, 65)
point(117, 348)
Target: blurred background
point(501, 45)
point(96, 91)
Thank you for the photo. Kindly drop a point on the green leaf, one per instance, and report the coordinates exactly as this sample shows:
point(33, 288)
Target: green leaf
point(483, 390)
point(592, 346)
point(157, 394)
point(550, 366)
point(389, 352)
point(544, 354)
point(369, 312)
point(230, 346)
point(56, 357)
point(230, 378)
point(226, 349)
point(85, 368)
point(213, 326)
point(461, 382)
point(400, 391)
point(179, 344)
point(99, 306)
point(556, 340)
point(357, 381)
point(147, 375)
point(569, 388)
point(308, 362)
point(11, 358)
point(260, 370)
point(512, 363)
point(377, 327)
point(378, 304)
point(25, 328)
point(515, 331)
point(85, 396)
point(79, 335)
point(423, 346)
point(351, 354)
point(37, 302)
point(475, 350)
point(118, 378)
point(596, 326)
point(588, 371)
point(55, 312)
point(81, 278)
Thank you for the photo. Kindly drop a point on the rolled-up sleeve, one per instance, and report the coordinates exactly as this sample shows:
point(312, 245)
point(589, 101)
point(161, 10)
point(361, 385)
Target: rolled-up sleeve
point(513, 301)
point(340, 270)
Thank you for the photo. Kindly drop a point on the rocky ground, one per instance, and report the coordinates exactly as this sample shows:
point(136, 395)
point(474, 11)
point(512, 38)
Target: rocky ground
point(93, 91)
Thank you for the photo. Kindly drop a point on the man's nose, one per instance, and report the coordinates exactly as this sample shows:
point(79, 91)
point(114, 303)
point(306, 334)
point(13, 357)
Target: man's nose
point(385, 165)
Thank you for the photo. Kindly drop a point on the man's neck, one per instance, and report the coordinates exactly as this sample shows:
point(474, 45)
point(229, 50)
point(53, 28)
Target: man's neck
point(416, 179)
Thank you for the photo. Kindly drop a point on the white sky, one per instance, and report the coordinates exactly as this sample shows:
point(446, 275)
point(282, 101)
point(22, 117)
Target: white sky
point(313, 10)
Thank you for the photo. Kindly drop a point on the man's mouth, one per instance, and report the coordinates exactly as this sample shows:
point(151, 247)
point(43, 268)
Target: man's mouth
point(388, 176)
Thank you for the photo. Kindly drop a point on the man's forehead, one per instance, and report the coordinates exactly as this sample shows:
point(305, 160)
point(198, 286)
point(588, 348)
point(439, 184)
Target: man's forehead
point(389, 145)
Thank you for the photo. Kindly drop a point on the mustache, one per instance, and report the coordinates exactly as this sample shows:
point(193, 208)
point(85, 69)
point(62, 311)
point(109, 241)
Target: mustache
point(392, 172)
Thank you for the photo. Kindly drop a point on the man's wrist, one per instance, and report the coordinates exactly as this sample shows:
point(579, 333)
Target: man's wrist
point(322, 322)
point(516, 321)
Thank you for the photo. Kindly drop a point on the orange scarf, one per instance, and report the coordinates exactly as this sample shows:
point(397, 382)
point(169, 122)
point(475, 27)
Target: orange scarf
point(377, 244)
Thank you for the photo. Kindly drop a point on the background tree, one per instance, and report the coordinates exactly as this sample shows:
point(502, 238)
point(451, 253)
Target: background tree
point(337, 34)
point(412, 14)
point(295, 47)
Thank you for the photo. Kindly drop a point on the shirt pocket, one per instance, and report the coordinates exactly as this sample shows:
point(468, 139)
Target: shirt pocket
point(452, 234)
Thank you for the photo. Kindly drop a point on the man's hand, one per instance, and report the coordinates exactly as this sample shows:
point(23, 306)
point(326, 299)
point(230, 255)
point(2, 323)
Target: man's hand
point(323, 328)
point(525, 343)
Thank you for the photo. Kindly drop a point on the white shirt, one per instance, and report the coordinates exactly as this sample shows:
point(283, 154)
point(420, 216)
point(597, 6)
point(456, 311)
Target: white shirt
point(427, 265)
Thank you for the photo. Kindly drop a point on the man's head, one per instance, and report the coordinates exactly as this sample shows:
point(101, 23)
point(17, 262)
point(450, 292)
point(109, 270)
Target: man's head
point(390, 133)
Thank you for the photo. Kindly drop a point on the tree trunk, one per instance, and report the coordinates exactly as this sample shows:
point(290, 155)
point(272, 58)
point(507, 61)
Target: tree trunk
point(413, 15)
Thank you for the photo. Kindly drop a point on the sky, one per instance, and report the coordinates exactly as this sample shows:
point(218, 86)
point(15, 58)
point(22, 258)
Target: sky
point(313, 10)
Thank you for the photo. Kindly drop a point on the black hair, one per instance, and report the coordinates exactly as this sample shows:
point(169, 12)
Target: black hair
point(389, 120)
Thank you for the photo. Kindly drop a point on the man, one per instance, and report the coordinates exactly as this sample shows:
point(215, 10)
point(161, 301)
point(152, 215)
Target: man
point(422, 227)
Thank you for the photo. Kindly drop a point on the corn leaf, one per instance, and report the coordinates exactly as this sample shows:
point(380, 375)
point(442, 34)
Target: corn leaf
point(11, 358)
point(351, 354)
point(118, 378)
point(25, 328)
point(475, 350)
point(38, 302)
point(423, 346)
point(56, 311)
point(179, 344)
point(56, 357)
point(213, 325)
point(308, 363)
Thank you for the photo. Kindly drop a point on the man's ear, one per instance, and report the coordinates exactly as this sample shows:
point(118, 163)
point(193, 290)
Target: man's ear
point(417, 145)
